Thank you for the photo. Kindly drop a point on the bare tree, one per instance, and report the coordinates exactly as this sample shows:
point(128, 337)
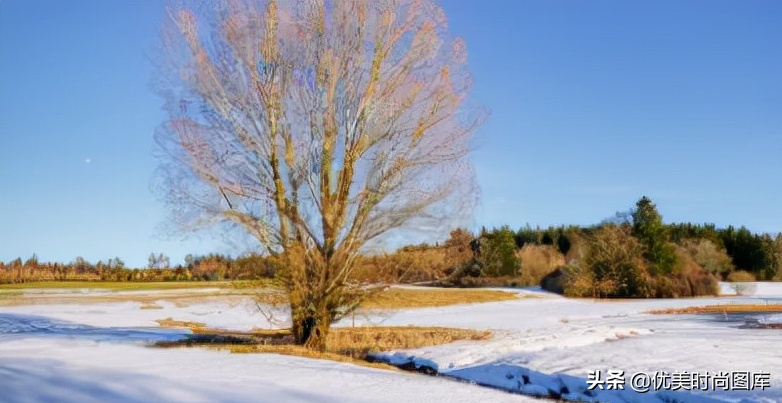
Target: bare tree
point(319, 127)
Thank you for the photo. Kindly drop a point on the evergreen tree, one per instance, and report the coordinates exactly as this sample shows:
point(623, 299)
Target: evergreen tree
point(648, 227)
point(498, 253)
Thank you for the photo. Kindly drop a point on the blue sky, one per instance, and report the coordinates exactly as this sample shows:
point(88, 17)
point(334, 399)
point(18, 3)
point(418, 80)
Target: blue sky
point(594, 104)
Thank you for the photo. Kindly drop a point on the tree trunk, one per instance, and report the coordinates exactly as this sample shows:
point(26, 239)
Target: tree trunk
point(310, 324)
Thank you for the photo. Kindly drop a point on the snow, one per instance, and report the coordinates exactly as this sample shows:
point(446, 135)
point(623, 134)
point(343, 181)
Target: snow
point(83, 371)
point(542, 344)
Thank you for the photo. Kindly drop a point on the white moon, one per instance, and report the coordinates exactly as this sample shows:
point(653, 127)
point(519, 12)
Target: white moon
point(87, 160)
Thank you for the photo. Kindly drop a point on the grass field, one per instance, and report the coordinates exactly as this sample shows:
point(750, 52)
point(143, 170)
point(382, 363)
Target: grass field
point(265, 291)
point(404, 298)
point(118, 285)
point(346, 344)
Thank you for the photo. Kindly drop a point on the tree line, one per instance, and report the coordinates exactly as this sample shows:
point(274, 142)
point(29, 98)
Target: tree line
point(212, 267)
point(636, 255)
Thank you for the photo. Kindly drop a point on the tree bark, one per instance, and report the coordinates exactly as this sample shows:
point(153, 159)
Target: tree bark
point(311, 321)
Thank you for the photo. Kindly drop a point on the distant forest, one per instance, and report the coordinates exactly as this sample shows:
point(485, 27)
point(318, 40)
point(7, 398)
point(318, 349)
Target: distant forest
point(633, 255)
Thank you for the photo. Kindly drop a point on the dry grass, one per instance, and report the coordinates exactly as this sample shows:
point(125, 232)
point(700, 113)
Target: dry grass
point(716, 309)
point(118, 285)
point(358, 341)
point(297, 351)
point(392, 298)
point(402, 298)
point(180, 324)
point(344, 344)
point(150, 305)
point(147, 301)
point(349, 340)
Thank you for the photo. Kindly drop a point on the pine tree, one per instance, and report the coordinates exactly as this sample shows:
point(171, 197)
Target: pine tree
point(648, 227)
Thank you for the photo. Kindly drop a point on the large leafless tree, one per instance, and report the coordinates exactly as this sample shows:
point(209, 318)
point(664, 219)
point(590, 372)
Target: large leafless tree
point(318, 127)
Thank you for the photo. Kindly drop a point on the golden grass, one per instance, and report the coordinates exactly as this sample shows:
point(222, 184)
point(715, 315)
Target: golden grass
point(361, 340)
point(118, 285)
point(180, 324)
point(343, 344)
point(147, 301)
point(715, 309)
point(264, 292)
point(402, 298)
point(297, 351)
point(349, 340)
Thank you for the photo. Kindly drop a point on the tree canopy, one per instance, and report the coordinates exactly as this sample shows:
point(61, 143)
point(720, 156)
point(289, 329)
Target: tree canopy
point(318, 127)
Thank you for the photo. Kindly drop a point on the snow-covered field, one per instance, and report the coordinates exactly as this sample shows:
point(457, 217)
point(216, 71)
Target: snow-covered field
point(96, 352)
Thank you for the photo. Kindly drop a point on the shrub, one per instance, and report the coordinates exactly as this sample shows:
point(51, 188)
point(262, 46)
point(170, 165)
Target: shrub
point(742, 282)
point(559, 279)
point(583, 284)
point(703, 283)
point(614, 259)
point(579, 247)
point(537, 262)
point(497, 253)
point(708, 255)
point(687, 284)
point(458, 249)
point(407, 265)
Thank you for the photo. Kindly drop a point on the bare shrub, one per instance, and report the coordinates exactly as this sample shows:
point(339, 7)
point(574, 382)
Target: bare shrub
point(709, 256)
point(537, 261)
point(403, 266)
point(742, 282)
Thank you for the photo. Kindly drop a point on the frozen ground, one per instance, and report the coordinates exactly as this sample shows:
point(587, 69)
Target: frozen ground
point(95, 352)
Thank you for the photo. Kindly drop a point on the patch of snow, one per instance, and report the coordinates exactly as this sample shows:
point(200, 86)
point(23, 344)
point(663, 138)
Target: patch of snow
point(547, 345)
point(38, 370)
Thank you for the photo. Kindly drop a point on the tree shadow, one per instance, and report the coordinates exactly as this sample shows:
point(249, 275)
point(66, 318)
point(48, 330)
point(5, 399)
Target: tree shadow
point(24, 380)
point(14, 326)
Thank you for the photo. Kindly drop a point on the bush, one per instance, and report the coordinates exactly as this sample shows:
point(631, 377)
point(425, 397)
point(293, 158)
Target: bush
point(688, 284)
point(537, 262)
point(614, 260)
point(497, 253)
point(458, 250)
point(709, 256)
point(410, 265)
point(742, 282)
point(558, 280)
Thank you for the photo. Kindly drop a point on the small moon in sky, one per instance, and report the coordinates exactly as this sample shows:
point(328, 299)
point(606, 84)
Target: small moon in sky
point(87, 160)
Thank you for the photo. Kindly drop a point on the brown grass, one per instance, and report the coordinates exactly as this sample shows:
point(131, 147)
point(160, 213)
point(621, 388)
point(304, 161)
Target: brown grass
point(180, 324)
point(344, 344)
point(297, 351)
point(727, 308)
point(358, 341)
point(118, 285)
point(147, 301)
point(402, 298)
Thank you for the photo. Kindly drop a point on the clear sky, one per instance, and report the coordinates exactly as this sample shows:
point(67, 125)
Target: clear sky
point(594, 104)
